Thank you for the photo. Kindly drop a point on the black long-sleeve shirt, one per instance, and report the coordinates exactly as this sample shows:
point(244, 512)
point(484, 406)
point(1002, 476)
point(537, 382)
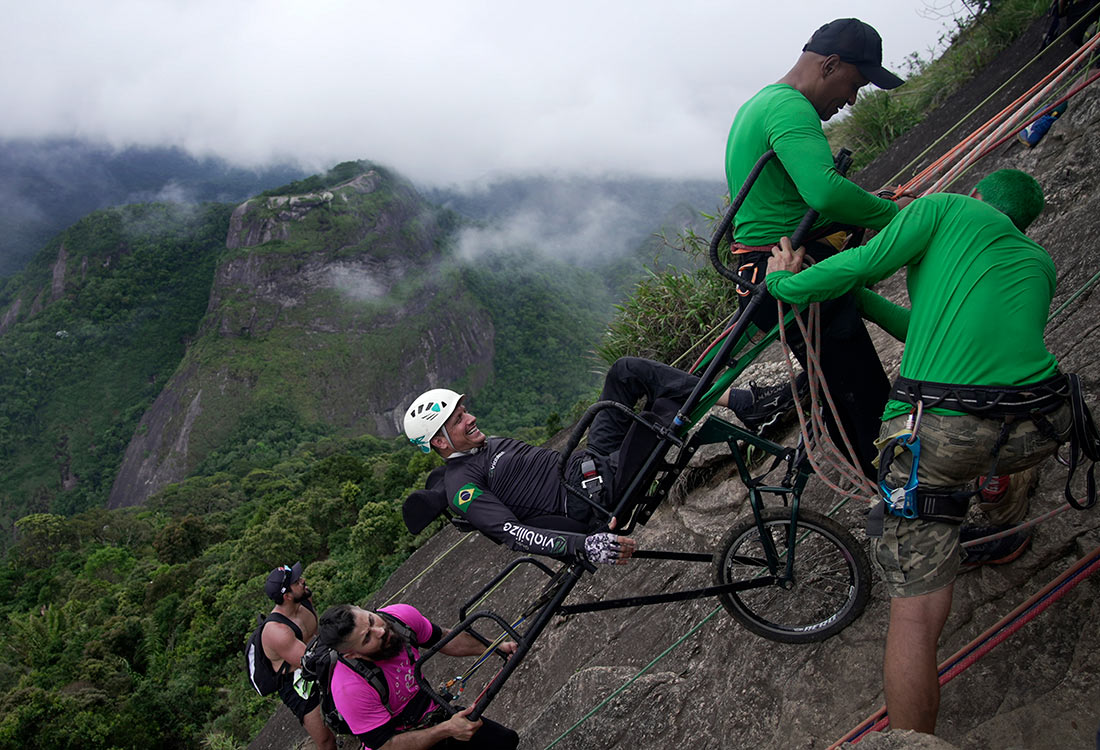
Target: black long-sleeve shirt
point(505, 484)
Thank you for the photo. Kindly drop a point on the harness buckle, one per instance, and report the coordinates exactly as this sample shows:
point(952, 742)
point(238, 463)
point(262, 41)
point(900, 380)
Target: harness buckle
point(591, 477)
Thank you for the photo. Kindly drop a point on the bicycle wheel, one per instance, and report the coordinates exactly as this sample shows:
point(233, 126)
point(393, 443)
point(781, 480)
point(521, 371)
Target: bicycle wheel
point(832, 577)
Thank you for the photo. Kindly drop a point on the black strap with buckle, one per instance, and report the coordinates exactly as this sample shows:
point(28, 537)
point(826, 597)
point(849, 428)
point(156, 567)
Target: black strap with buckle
point(1084, 443)
point(592, 480)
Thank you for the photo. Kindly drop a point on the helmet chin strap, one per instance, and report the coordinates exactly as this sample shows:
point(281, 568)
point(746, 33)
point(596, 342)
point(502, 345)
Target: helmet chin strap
point(447, 437)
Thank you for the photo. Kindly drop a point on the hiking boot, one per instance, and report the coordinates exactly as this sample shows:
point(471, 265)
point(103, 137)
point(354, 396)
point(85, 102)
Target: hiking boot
point(995, 490)
point(996, 551)
point(769, 403)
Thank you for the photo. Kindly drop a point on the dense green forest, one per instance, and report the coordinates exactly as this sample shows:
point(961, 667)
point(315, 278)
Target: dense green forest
point(76, 376)
point(548, 318)
point(125, 628)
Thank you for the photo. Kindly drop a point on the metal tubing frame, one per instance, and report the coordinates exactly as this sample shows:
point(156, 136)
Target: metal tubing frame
point(524, 641)
point(715, 430)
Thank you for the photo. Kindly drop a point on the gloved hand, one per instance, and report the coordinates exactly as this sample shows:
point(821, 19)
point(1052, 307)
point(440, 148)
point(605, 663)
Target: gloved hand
point(607, 549)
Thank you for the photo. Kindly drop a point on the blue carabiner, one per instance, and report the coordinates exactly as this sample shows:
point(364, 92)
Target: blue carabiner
point(902, 501)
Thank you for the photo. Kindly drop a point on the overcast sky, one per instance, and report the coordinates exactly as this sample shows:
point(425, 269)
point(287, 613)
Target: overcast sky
point(445, 92)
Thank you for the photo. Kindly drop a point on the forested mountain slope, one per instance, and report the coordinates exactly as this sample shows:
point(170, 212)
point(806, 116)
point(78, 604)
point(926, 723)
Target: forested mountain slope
point(330, 303)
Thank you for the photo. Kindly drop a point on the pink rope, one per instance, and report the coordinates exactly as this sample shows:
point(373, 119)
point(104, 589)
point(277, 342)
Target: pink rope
point(834, 468)
point(987, 136)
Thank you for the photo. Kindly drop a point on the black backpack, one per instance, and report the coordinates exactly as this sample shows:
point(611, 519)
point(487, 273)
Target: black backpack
point(319, 662)
point(261, 673)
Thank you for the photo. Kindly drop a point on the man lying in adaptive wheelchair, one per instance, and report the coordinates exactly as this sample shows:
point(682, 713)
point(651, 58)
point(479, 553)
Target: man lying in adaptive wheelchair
point(512, 491)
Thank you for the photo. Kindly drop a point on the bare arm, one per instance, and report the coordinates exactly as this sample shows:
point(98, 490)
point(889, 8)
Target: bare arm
point(465, 644)
point(458, 726)
point(281, 645)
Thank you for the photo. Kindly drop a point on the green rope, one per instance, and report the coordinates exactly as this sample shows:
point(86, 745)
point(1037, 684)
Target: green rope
point(494, 588)
point(1084, 288)
point(421, 574)
point(706, 337)
point(633, 679)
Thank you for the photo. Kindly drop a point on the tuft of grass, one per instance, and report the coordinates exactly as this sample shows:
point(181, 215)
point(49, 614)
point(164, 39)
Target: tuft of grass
point(671, 310)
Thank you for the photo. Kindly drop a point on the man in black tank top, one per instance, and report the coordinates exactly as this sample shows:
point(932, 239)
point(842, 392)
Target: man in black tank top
point(290, 626)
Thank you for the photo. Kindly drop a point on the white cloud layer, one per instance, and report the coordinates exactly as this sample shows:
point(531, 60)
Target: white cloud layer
point(442, 90)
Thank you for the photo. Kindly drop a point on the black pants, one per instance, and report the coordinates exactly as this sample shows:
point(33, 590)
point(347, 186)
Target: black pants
point(849, 361)
point(629, 380)
point(490, 736)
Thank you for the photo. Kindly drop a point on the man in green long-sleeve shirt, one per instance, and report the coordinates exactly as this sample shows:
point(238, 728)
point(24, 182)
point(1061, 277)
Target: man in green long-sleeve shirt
point(980, 292)
point(840, 58)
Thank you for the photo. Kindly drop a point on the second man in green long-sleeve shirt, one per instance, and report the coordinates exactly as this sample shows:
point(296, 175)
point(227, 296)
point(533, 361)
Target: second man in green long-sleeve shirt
point(981, 291)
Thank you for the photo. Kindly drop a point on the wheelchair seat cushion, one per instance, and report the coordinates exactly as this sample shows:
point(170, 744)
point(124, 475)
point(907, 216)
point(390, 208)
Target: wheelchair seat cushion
point(639, 442)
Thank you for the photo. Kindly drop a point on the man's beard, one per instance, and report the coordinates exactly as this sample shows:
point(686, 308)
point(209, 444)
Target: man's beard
point(306, 594)
point(392, 646)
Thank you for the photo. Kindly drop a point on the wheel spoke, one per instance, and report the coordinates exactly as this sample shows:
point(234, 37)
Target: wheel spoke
point(830, 581)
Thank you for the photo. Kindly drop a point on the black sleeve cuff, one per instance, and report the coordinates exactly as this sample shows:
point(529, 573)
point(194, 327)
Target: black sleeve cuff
point(378, 736)
point(434, 638)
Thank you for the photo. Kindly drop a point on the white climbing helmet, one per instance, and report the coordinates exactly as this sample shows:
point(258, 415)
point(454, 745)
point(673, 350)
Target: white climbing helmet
point(427, 414)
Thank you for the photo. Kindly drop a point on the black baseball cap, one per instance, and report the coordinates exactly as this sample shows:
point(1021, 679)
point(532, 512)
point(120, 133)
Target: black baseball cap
point(279, 580)
point(855, 42)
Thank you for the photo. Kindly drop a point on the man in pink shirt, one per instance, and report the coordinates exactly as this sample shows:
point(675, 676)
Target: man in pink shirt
point(390, 639)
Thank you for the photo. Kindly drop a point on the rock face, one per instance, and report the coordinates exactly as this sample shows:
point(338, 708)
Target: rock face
point(348, 279)
point(687, 675)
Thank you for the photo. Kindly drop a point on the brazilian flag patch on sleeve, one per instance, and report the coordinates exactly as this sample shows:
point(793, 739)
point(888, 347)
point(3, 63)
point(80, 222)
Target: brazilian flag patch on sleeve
point(465, 495)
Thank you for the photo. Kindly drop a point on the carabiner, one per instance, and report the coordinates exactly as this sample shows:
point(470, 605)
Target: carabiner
point(902, 501)
point(913, 424)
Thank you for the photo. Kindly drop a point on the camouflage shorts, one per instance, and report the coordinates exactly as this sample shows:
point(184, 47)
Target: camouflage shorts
point(918, 557)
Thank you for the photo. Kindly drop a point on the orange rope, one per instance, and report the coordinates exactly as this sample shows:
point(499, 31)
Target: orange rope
point(980, 142)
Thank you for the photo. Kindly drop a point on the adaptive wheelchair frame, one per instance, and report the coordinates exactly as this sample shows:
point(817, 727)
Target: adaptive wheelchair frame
point(785, 573)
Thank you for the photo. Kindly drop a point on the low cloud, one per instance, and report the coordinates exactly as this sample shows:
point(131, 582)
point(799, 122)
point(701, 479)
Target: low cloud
point(355, 282)
point(602, 229)
point(442, 91)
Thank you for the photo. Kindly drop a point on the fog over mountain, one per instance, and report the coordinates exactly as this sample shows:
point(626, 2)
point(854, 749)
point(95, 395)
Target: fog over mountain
point(439, 91)
point(47, 185)
point(582, 220)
